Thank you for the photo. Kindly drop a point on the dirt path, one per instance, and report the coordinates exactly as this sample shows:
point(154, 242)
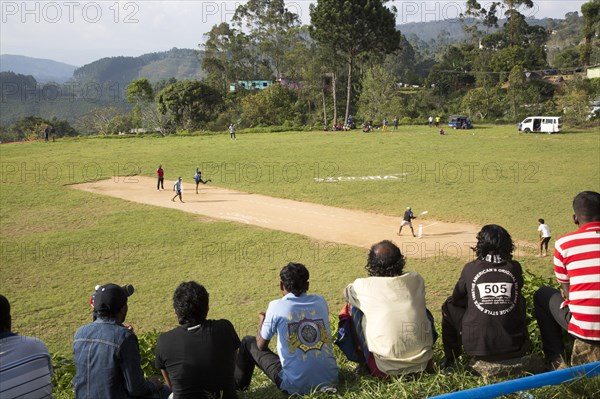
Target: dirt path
point(324, 223)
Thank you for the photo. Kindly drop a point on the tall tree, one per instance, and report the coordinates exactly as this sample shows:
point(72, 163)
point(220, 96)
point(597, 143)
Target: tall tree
point(378, 94)
point(271, 29)
point(402, 63)
point(354, 28)
point(515, 25)
point(139, 92)
point(189, 103)
point(477, 15)
point(227, 57)
point(516, 89)
point(591, 27)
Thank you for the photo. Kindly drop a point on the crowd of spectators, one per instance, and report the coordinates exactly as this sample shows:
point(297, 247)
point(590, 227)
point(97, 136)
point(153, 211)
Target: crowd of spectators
point(386, 326)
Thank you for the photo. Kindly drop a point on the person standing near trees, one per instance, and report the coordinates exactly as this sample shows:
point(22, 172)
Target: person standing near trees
point(395, 123)
point(232, 132)
point(160, 174)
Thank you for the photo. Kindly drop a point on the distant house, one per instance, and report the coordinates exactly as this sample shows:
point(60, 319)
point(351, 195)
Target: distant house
point(290, 84)
point(593, 72)
point(250, 85)
point(529, 76)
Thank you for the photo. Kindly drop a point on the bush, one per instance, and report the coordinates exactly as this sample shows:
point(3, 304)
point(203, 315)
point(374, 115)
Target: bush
point(7, 137)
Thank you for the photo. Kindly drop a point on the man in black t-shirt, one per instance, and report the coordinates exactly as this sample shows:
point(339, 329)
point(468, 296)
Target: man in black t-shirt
point(197, 359)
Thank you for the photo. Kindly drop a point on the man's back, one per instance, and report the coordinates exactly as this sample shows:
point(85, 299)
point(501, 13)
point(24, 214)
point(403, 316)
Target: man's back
point(494, 322)
point(390, 304)
point(107, 362)
point(577, 263)
point(25, 368)
point(199, 359)
point(303, 342)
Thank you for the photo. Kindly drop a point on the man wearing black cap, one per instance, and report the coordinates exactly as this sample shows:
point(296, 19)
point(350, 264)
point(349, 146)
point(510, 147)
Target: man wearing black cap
point(106, 353)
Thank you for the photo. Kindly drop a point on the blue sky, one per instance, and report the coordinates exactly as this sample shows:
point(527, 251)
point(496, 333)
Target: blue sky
point(80, 31)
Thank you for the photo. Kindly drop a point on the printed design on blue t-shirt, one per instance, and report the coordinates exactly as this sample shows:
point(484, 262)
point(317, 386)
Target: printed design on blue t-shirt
point(493, 296)
point(307, 334)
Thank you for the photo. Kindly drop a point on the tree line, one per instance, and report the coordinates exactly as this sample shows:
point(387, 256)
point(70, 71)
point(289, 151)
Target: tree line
point(352, 60)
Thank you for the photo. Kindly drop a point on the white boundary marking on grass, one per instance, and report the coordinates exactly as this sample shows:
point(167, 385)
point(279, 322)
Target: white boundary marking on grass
point(332, 179)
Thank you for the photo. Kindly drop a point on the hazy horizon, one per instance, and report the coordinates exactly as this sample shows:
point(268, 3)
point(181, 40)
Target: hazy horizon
point(80, 32)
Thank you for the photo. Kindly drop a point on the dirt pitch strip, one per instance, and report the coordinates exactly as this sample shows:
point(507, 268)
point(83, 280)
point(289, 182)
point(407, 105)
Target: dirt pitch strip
point(320, 222)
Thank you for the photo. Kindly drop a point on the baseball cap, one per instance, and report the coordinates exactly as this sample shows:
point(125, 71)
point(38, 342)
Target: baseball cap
point(111, 297)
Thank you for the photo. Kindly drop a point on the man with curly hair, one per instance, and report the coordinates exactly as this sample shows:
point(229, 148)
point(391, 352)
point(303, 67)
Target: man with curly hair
point(197, 359)
point(301, 321)
point(486, 314)
point(394, 328)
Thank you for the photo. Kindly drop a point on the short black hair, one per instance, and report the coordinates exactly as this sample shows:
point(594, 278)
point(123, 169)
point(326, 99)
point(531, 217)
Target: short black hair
point(541, 220)
point(385, 260)
point(190, 302)
point(587, 206)
point(494, 240)
point(5, 321)
point(294, 277)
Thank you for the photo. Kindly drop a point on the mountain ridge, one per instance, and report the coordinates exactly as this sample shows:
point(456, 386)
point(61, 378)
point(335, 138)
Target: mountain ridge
point(42, 69)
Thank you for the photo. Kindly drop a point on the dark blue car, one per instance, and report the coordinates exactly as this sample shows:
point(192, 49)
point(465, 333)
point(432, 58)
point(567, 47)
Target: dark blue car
point(460, 122)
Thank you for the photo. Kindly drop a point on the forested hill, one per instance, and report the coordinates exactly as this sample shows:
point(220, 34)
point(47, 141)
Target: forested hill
point(176, 63)
point(435, 36)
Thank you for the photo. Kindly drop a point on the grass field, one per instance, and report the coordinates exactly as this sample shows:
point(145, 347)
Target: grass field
point(58, 243)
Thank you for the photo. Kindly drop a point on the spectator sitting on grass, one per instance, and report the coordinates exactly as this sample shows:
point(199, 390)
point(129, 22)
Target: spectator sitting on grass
point(25, 366)
point(301, 322)
point(197, 359)
point(576, 308)
point(107, 355)
point(486, 313)
point(383, 305)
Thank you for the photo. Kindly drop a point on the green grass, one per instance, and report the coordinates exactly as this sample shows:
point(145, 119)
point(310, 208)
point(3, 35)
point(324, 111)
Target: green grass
point(57, 243)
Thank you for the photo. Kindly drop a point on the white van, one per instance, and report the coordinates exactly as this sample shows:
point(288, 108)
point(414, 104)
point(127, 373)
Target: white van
point(541, 124)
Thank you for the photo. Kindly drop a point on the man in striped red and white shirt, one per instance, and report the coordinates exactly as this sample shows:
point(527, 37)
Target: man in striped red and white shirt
point(576, 307)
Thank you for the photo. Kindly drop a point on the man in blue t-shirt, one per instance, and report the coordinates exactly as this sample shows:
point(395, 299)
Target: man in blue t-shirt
point(301, 322)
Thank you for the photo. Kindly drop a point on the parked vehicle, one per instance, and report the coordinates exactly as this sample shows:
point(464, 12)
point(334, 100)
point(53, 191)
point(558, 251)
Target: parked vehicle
point(541, 124)
point(460, 122)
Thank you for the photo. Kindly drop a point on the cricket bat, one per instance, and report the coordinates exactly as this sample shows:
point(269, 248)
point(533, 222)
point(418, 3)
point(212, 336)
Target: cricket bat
point(423, 213)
